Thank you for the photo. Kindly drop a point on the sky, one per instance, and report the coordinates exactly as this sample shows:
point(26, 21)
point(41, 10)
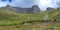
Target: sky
point(42, 4)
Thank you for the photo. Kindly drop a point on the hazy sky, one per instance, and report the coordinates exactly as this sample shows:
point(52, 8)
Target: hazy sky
point(43, 4)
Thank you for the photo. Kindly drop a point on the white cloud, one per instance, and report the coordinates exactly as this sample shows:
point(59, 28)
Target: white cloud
point(43, 4)
point(2, 4)
point(15, 2)
point(22, 3)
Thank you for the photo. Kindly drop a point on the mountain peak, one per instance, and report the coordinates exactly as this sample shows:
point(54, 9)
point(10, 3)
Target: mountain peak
point(8, 5)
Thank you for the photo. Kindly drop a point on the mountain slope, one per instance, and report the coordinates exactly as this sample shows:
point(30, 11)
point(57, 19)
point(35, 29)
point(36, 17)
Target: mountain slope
point(10, 17)
point(54, 14)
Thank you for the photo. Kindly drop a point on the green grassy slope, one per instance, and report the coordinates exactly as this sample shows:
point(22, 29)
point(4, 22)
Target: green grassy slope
point(13, 21)
point(55, 14)
point(9, 17)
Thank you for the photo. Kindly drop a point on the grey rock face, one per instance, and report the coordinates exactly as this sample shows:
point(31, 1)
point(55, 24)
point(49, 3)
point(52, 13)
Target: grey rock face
point(49, 8)
point(58, 8)
point(33, 9)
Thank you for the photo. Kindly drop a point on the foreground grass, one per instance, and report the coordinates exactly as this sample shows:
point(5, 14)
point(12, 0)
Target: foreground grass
point(34, 26)
point(14, 21)
point(11, 18)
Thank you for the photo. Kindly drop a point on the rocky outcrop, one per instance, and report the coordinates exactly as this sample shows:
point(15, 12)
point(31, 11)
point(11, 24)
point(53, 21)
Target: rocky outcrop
point(49, 9)
point(33, 9)
point(58, 8)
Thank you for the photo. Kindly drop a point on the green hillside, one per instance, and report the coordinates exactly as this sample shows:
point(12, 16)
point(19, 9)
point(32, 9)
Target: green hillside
point(9, 17)
point(15, 21)
point(54, 15)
